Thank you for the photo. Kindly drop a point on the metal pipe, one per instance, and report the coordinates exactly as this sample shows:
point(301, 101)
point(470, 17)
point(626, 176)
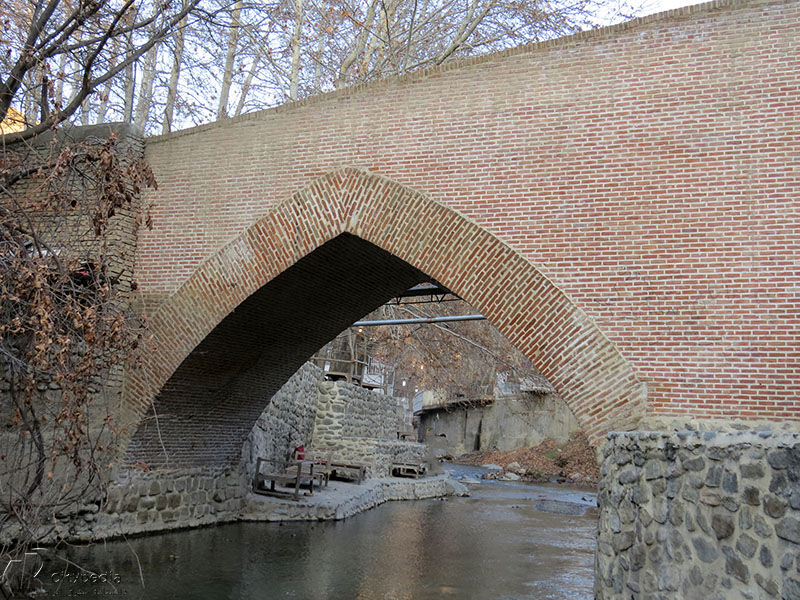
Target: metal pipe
point(419, 320)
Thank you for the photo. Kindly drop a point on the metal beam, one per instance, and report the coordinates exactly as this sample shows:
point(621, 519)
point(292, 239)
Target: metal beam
point(425, 289)
point(419, 320)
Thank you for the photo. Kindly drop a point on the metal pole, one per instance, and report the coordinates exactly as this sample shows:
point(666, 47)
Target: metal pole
point(419, 320)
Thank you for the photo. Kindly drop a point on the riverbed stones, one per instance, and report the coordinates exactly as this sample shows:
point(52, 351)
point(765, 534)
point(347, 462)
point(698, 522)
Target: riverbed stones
point(791, 589)
point(765, 557)
point(752, 470)
point(706, 551)
point(719, 516)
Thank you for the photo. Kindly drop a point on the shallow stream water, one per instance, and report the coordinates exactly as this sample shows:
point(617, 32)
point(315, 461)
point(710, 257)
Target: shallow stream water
point(491, 545)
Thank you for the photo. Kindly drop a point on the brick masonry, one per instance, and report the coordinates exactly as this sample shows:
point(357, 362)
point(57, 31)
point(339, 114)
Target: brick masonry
point(621, 203)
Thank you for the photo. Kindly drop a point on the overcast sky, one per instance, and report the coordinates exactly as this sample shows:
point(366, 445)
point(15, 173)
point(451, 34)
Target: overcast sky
point(662, 5)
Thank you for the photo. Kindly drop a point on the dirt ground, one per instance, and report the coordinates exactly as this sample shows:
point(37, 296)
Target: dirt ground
point(574, 461)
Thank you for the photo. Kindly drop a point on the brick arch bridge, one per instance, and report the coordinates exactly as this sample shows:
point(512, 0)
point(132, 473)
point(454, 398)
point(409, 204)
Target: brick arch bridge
point(648, 170)
point(253, 313)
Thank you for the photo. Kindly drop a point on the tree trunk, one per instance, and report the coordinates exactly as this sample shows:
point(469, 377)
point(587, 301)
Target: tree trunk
point(172, 87)
point(297, 38)
point(318, 63)
point(359, 47)
point(130, 89)
point(227, 77)
point(106, 94)
point(59, 96)
point(248, 82)
point(146, 88)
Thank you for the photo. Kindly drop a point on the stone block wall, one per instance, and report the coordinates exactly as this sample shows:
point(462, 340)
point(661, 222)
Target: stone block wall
point(287, 422)
point(699, 515)
point(355, 424)
point(139, 502)
point(349, 411)
point(377, 454)
point(526, 420)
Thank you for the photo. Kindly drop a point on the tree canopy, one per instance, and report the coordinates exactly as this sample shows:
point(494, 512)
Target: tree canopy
point(175, 63)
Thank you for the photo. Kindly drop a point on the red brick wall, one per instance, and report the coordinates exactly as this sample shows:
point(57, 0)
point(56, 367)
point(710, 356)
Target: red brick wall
point(650, 171)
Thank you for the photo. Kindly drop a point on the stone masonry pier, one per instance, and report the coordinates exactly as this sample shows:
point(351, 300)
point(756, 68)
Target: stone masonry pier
point(699, 515)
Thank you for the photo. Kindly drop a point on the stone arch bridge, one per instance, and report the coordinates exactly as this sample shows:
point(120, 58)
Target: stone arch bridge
point(622, 204)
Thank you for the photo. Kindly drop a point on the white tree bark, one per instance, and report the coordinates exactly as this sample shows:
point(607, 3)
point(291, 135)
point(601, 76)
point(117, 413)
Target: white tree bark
point(358, 49)
point(297, 38)
point(146, 87)
point(106, 93)
point(248, 82)
point(227, 77)
point(172, 86)
point(129, 89)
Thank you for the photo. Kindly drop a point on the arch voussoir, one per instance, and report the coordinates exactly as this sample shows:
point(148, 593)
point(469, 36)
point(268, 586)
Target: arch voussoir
point(537, 317)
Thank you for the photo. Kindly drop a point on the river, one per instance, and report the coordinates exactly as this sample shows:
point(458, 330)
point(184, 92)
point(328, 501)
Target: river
point(492, 545)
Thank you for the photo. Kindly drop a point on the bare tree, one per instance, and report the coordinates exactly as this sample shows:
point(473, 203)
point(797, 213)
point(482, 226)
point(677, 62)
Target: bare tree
point(172, 86)
point(82, 33)
point(65, 204)
point(456, 359)
point(259, 53)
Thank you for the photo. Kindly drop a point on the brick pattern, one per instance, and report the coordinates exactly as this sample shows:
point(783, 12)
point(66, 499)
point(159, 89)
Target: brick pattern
point(649, 171)
point(320, 260)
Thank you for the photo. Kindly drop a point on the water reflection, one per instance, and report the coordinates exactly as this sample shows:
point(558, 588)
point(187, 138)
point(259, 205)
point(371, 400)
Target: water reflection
point(489, 546)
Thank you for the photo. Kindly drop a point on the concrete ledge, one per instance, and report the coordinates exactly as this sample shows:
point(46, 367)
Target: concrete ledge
point(341, 500)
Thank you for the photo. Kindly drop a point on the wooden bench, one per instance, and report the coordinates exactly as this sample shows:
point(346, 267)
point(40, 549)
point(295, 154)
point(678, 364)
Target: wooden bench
point(321, 469)
point(414, 470)
point(350, 471)
point(292, 476)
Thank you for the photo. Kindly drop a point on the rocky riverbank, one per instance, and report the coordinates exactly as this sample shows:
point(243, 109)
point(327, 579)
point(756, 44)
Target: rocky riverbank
point(549, 462)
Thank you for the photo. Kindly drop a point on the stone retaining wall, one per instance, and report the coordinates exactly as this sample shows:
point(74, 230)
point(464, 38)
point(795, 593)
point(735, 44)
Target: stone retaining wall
point(507, 423)
point(355, 424)
point(699, 515)
point(287, 422)
point(146, 501)
point(140, 502)
point(349, 411)
point(377, 454)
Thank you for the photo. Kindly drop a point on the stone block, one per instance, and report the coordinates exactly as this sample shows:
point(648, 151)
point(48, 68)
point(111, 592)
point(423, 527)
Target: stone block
point(746, 545)
point(751, 470)
point(788, 529)
point(723, 526)
point(774, 507)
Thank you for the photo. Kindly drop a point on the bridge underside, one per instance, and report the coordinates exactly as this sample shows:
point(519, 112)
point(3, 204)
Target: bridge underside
point(209, 405)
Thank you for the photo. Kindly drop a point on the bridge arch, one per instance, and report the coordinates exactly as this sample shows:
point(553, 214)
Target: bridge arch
point(197, 395)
